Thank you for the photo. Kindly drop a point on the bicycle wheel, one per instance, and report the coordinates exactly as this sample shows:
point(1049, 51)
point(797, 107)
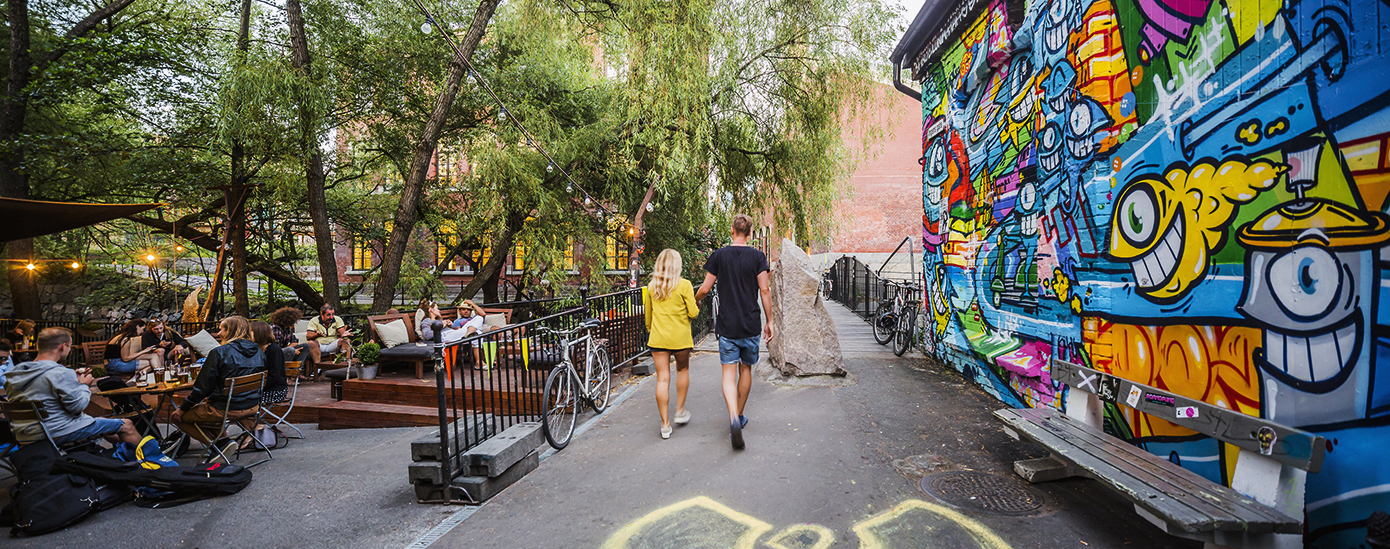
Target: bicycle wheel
point(600, 378)
point(561, 408)
point(883, 323)
point(907, 327)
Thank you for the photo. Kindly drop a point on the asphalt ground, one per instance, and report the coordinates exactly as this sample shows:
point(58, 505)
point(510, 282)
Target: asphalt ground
point(825, 466)
point(335, 489)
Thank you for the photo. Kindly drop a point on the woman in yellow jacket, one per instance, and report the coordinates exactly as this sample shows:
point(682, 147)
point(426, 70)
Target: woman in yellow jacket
point(669, 302)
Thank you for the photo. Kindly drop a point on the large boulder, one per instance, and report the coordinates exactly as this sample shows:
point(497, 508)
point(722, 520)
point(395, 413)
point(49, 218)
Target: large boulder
point(806, 343)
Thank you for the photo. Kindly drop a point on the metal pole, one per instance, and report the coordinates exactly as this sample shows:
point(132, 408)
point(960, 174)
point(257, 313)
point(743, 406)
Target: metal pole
point(445, 457)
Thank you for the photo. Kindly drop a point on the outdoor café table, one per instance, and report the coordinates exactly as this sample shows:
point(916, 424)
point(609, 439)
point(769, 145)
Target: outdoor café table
point(164, 393)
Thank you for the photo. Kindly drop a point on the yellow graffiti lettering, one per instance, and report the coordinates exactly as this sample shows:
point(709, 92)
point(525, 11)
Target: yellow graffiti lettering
point(912, 518)
point(1249, 132)
point(698, 518)
point(803, 536)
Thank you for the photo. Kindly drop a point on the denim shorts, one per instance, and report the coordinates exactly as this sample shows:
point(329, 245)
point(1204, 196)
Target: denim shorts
point(745, 350)
point(102, 426)
point(118, 366)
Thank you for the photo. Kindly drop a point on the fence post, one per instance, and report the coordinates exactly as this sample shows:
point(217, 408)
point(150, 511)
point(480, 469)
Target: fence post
point(445, 456)
point(584, 299)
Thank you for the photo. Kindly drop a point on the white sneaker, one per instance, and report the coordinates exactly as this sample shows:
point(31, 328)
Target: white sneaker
point(683, 418)
point(665, 432)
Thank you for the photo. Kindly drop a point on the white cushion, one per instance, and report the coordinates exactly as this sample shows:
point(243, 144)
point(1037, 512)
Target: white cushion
point(498, 320)
point(301, 330)
point(392, 333)
point(203, 342)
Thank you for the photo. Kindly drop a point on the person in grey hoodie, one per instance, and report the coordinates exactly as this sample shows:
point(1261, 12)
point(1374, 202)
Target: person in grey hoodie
point(64, 394)
point(201, 413)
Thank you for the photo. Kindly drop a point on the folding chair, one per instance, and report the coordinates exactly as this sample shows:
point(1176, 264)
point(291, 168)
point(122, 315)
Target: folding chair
point(292, 369)
point(29, 411)
point(232, 387)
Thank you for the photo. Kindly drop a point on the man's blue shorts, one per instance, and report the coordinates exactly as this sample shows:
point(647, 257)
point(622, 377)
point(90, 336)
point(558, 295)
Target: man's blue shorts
point(102, 426)
point(733, 351)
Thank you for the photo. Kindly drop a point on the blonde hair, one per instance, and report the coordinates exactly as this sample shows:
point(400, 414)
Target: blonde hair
point(666, 274)
point(234, 328)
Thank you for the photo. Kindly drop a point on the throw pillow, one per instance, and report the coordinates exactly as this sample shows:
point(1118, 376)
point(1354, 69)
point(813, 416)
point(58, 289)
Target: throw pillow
point(203, 342)
point(392, 333)
point(499, 320)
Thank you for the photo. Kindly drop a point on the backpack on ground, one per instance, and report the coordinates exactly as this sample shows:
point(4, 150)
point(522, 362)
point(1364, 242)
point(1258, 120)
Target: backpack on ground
point(43, 501)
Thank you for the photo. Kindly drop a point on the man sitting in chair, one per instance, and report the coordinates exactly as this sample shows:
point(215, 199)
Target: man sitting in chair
point(63, 393)
point(202, 410)
point(327, 334)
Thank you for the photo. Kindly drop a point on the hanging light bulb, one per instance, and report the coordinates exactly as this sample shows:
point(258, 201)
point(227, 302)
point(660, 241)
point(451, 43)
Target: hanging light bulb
point(569, 188)
point(76, 265)
point(149, 257)
point(31, 266)
point(650, 207)
point(586, 200)
point(425, 27)
point(549, 168)
point(178, 248)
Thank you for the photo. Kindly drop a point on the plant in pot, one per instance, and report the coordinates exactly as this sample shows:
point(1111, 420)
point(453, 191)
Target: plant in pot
point(368, 354)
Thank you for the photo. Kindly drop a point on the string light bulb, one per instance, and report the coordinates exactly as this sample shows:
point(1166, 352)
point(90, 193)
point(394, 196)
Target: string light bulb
point(178, 248)
point(149, 257)
point(30, 266)
point(76, 265)
point(650, 207)
point(425, 27)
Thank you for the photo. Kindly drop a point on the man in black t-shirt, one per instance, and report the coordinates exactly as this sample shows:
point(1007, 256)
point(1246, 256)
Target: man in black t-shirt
point(742, 273)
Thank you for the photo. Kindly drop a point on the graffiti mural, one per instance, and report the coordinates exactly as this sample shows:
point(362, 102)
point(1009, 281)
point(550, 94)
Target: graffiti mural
point(1190, 195)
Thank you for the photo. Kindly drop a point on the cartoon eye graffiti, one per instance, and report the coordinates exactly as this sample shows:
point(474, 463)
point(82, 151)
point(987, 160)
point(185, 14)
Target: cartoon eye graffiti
point(1027, 196)
point(1306, 281)
point(1140, 218)
point(1080, 121)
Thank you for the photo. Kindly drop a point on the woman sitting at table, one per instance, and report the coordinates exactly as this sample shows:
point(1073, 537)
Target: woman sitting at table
point(124, 354)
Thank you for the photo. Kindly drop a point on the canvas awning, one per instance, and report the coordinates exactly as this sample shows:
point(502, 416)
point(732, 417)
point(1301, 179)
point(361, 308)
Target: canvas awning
point(21, 219)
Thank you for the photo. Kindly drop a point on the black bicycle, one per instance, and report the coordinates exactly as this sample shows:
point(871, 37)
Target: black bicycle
point(885, 317)
point(905, 325)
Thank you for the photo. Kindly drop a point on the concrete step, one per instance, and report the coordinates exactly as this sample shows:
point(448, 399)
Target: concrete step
point(473, 428)
point(499, 453)
point(478, 488)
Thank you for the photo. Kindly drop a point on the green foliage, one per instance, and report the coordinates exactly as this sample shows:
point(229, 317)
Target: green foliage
point(368, 352)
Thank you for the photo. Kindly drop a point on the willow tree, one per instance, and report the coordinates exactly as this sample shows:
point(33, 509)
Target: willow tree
point(749, 94)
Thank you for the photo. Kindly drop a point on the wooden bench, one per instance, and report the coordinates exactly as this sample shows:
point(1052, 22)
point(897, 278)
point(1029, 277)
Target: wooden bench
point(1264, 506)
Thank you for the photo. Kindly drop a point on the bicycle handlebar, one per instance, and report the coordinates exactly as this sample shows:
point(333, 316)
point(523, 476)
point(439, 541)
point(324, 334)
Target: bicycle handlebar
point(583, 325)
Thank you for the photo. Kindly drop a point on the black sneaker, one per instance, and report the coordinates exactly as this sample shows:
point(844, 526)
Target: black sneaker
point(736, 434)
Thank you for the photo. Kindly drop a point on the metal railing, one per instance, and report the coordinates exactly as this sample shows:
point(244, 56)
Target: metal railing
point(490, 381)
point(855, 285)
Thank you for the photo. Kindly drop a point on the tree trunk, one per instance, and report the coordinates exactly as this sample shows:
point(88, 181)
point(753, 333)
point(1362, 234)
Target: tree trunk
point(240, 178)
point(485, 278)
point(14, 181)
point(634, 254)
point(408, 210)
point(313, 163)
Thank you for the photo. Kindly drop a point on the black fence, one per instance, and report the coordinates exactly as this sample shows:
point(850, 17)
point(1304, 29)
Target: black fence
point(491, 381)
point(855, 285)
point(88, 332)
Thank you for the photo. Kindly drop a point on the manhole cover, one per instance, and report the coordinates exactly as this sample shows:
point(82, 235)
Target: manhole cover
point(983, 492)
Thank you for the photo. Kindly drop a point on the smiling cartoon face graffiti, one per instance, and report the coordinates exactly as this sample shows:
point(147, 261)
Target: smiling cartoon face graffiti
point(1166, 228)
point(1311, 262)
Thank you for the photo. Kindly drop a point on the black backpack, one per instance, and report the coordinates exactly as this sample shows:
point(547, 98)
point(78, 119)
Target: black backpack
point(43, 501)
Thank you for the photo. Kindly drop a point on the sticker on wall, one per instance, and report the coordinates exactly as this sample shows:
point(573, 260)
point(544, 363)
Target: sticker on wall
point(1133, 399)
point(1267, 438)
point(1188, 412)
